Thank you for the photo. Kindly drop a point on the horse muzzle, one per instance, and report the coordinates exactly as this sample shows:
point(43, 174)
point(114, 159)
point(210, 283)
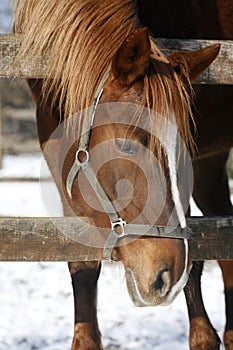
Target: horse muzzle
point(160, 291)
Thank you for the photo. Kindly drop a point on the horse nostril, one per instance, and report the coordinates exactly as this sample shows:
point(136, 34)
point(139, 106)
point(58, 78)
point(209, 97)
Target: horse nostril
point(163, 282)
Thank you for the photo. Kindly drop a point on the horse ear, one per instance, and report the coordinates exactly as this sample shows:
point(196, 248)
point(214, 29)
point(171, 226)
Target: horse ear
point(132, 57)
point(195, 62)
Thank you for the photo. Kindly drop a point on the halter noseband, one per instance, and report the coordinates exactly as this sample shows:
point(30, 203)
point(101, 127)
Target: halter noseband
point(119, 227)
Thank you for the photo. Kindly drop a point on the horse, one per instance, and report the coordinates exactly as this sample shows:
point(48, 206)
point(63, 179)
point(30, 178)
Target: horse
point(118, 171)
point(214, 139)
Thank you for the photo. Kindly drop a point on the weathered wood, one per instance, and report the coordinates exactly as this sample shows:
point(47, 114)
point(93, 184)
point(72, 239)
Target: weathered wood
point(10, 67)
point(212, 238)
point(40, 239)
point(219, 72)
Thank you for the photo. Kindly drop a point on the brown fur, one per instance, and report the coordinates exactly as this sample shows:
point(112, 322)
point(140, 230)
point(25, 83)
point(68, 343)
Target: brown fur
point(202, 336)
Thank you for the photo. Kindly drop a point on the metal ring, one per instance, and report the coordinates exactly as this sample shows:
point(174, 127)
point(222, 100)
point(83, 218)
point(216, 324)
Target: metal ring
point(86, 157)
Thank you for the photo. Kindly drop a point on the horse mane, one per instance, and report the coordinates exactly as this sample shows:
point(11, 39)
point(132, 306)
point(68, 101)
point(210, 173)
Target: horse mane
point(81, 38)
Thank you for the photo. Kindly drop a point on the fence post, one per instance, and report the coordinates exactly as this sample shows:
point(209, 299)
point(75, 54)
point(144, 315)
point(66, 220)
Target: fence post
point(1, 128)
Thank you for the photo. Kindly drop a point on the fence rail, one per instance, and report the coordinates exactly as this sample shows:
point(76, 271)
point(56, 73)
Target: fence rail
point(40, 239)
point(15, 145)
point(218, 72)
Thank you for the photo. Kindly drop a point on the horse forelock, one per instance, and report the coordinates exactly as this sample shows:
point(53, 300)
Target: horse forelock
point(82, 37)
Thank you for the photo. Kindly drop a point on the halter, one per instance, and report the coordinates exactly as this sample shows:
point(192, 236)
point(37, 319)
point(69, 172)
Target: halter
point(119, 227)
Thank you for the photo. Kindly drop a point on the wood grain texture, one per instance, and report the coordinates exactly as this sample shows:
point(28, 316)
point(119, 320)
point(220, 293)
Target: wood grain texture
point(43, 239)
point(212, 238)
point(220, 72)
point(10, 67)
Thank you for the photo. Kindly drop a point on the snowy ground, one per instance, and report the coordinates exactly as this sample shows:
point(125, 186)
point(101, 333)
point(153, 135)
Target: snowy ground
point(36, 304)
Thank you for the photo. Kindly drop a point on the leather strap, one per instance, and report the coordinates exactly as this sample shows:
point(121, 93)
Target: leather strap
point(120, 228)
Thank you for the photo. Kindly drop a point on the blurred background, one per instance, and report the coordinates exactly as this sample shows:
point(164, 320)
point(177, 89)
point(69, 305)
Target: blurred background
point(17, 123)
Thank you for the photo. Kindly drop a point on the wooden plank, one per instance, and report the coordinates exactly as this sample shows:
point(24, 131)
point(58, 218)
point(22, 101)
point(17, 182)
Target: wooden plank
point(10, 68)
point(219, 72)
point(40, 239)
point(212, 238)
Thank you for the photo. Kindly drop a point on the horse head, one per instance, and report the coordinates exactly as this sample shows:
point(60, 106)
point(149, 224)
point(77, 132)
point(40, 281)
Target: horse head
point(140, 129)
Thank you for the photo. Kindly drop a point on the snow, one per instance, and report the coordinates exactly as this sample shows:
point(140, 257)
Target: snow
point(36, 300)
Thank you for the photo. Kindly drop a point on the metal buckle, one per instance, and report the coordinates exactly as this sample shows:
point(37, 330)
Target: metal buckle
point(120, 223)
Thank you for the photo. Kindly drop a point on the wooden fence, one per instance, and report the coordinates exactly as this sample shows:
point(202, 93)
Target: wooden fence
point(219, 72)
point(43, 239)
point(39, 239)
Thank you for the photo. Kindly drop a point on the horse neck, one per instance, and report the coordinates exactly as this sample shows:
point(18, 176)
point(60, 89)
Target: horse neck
point(187, 18)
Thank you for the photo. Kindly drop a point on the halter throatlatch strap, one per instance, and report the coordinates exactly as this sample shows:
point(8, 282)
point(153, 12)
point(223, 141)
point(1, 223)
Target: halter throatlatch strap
point(85, 136)
point(89, 120)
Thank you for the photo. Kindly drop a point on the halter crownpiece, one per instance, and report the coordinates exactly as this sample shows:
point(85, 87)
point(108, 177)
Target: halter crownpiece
point(119, 228)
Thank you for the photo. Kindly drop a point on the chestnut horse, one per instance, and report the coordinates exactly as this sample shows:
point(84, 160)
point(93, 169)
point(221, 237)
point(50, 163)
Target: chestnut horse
point(105, 167)
point(212, 19)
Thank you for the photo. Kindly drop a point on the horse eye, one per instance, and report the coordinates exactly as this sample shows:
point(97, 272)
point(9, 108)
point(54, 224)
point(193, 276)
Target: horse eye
point(127, 146)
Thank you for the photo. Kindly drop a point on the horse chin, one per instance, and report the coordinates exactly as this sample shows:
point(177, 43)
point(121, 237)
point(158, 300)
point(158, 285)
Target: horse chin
point(138, 297)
